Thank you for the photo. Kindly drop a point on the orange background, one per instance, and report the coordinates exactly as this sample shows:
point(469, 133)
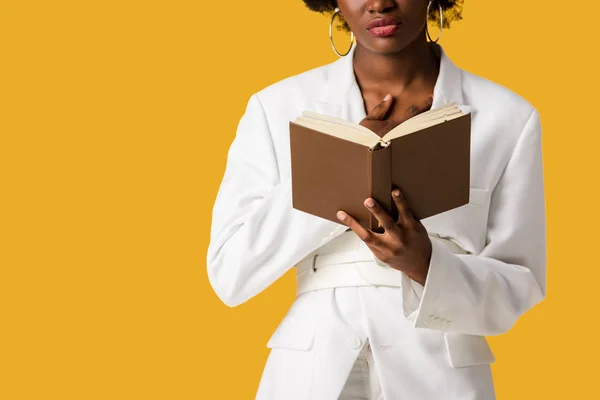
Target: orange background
point(115, 120)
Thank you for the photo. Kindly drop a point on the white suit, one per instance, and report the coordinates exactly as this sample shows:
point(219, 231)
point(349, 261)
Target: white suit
point(428, 342)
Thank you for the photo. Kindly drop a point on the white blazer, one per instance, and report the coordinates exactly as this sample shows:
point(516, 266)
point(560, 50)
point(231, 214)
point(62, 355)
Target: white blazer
point(428, 341)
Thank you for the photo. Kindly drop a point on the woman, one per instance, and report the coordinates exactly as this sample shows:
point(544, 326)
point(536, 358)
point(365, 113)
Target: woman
point(400, 314)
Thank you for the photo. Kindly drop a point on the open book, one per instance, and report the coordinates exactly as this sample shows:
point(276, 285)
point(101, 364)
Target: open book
point(337, 164)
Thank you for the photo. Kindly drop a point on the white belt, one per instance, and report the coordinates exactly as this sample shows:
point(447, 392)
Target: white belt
point(350, 262)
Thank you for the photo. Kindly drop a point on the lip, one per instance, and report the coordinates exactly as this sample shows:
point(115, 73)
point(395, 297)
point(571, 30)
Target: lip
point(382, 27)
point(383, 31)
point(382, 22)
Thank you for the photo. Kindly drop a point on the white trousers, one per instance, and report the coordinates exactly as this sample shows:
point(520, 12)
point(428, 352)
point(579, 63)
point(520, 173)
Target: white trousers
point(363, 381)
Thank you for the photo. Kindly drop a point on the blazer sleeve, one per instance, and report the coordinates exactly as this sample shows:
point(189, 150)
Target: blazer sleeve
point(256, 235)
point(485, 294)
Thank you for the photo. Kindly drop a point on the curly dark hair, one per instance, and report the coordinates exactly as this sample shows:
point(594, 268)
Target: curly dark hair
point(452, 10)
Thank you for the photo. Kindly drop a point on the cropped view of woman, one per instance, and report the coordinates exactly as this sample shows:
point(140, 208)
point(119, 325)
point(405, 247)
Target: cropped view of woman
point(403, 313)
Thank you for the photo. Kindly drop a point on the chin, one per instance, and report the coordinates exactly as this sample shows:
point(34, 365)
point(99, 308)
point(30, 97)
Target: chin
point(388, 45)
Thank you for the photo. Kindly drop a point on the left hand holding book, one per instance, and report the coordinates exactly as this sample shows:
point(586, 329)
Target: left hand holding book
point(404, 244)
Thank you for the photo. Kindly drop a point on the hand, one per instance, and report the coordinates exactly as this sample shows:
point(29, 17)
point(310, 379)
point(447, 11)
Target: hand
point(404, 245)
point(376, 121)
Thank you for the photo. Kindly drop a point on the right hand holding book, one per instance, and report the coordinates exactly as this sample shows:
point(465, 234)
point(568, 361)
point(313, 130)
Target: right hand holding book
point(376, 121)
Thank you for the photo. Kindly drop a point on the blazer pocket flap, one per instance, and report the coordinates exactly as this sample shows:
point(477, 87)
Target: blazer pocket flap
point(478, 196)
point(467, 350)
point(292, 333)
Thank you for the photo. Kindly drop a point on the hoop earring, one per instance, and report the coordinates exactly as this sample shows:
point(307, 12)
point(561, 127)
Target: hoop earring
point(441, 23)
point(337, 10)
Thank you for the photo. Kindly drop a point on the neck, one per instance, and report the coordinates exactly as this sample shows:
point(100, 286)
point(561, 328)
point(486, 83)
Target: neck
point(415, 65)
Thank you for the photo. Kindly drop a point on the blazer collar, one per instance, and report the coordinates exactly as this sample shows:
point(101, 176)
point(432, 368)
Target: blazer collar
point(343, 98)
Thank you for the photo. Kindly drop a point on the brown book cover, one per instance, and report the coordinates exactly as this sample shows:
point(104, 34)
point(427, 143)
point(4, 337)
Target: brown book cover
point(431, 167)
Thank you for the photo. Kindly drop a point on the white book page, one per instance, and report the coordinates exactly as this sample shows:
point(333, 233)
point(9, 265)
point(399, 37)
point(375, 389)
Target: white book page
point(412, 125)
point(338, 121)
point(349, 133)
point(357, 133)
point(431, 120)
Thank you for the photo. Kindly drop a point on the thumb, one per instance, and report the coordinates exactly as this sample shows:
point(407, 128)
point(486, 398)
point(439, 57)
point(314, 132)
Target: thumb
point(380, 111)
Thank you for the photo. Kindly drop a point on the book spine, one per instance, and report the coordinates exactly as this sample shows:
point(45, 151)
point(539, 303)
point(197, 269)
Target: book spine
point(380, 184)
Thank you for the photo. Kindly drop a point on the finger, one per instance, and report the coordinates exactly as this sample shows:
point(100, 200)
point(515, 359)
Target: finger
point(380, 110)
point(405, 216)
point(418, 109)
point(364, 234)
point(385, 220)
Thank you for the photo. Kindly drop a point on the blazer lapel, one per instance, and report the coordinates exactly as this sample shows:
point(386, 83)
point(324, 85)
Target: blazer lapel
point(342, 97)
point(448, 87)
point(333, 110)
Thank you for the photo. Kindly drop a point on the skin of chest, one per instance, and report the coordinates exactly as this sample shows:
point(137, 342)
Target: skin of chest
point(403, 107)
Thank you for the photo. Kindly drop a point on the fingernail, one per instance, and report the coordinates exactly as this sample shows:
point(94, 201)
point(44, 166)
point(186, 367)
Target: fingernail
point(387, 97)
point(341, 215)
point(370, 203)
point(396, 193)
